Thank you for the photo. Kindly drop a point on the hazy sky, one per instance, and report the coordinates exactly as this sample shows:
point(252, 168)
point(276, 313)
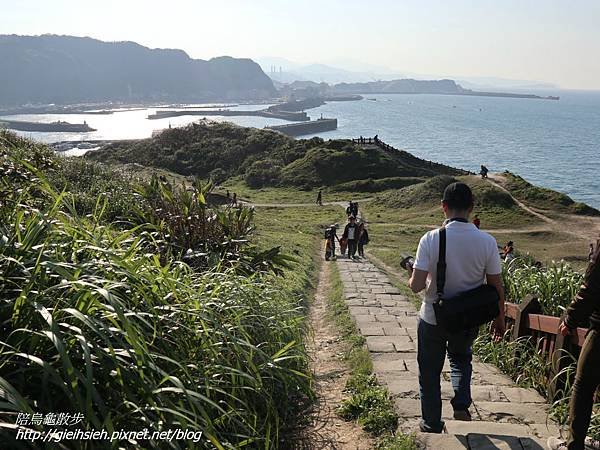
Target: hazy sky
point(546, 40)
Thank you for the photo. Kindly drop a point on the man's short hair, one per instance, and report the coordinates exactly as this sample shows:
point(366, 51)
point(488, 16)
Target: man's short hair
point(458, 196)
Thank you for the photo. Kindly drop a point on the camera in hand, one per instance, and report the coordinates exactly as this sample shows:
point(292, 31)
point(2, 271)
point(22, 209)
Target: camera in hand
point(407, 261)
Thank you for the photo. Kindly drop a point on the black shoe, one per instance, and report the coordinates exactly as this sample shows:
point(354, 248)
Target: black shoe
point(427, 429)
point(462, 414)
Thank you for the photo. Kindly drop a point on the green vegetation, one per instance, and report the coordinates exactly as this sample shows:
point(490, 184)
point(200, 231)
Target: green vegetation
point(555, 286)
point(171, 319)
point(376, 185)
point(265, 158)
point(520, 359)
point(428, 193)
point(494, 206)
point(542, 198)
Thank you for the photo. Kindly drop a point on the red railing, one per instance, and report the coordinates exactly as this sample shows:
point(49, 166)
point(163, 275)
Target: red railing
point(525, 320)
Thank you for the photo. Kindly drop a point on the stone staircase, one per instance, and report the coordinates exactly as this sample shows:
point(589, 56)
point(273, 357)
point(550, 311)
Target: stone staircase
point(505, 416)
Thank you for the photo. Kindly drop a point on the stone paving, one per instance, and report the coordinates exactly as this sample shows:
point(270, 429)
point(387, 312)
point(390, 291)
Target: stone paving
point(504, 416)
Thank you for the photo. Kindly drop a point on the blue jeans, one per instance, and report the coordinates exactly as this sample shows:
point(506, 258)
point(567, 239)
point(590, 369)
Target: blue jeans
point(433, 343)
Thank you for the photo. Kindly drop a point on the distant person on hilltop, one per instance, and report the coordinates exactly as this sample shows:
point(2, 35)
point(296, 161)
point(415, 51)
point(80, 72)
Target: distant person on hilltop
point(320, 198)
point(483, 172)
point(583, 311)
point(476, 221)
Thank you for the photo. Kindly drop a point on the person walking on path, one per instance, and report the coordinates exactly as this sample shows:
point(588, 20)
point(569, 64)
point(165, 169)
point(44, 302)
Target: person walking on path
point(350, 209)
point(355, 209)
point(320, 198)
point(471, 259)
point(330, 238)
point(591, 253)
point(584, 311)
point(476, 221)
point(363, 239)
point(234, 199)
point(351, 236)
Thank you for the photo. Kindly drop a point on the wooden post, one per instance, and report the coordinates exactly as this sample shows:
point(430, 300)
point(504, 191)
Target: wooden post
point(529, 305)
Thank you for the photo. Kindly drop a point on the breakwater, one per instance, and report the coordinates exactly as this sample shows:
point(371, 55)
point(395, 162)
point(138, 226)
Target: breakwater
point(310, 127)
point(51, 127)
point(284, 115)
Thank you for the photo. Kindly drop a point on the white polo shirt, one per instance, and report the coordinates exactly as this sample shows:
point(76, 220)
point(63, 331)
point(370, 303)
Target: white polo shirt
point(470, 255)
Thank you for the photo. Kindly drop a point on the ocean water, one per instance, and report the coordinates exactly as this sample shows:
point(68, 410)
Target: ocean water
point(554, 144)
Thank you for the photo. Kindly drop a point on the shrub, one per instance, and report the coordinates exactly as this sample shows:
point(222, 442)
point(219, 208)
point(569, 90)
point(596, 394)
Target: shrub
point(263, 173)
point(555, 286)
point(112, 324)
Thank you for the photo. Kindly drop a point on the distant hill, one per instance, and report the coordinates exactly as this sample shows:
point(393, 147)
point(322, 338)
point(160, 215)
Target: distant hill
point(68, 69)
point(267, 158)
point(411, 86)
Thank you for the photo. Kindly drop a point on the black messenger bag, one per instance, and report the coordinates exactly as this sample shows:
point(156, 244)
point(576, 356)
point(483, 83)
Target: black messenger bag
point(466, 310)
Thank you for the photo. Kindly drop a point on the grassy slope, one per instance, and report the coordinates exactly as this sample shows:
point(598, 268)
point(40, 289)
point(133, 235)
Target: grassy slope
point(266, 158)
point(543, 198)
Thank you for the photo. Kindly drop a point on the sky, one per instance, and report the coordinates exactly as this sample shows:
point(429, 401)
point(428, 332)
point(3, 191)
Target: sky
point(551, 41)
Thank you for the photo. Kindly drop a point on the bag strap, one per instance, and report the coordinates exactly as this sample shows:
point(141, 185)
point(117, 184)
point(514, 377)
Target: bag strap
point(441, 265)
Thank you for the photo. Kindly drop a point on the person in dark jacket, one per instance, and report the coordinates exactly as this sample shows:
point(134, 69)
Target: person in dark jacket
point(350, 209)
point(484, 171)
point(584, 310)
point(351, 235)
point(363, 239)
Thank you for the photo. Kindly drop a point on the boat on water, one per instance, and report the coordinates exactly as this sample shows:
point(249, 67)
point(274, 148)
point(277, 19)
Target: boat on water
point(372, 99)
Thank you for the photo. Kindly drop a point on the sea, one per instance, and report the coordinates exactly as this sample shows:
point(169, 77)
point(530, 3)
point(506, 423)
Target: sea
point(554, 144)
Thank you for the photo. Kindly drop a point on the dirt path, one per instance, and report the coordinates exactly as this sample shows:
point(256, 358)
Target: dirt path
point(326, 430)
point(343, 204)
point(586, 227)
point(522, 205)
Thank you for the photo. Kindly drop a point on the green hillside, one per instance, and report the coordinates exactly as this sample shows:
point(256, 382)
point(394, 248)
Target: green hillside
point(543, 198)
point(265, 158)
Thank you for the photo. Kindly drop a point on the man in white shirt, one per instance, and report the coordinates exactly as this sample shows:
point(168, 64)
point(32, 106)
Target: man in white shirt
point(472, 258)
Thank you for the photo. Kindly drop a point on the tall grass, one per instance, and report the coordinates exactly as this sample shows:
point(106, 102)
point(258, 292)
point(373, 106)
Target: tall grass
point(103, 321)
point(555, 286)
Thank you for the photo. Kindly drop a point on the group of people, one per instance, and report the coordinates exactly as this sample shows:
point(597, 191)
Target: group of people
point(232, 199)
point(472, 260)
point(353, 239)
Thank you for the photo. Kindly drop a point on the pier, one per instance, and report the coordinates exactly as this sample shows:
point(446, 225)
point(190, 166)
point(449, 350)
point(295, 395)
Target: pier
point(295, 116)
point(310, 127)
point(58, 126)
